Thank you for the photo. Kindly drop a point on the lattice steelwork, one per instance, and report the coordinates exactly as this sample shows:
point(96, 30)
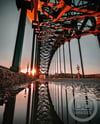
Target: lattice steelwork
point(44, 112)
point(63, 20)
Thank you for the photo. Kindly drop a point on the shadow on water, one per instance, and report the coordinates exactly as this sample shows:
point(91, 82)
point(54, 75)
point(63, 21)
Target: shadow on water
point(49, 103)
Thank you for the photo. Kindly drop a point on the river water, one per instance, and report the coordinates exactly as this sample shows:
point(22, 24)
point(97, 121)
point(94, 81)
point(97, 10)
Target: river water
point(75, 102)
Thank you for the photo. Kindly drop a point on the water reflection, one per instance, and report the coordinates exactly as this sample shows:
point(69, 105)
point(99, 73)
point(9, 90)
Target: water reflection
point(20, 107)
point(28, 105)
point(9, 110)
point(76, 103)
point(7, 104)
point(49, 103)
point(42, 108)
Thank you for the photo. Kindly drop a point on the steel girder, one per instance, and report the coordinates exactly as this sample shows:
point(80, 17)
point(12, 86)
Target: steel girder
point(60, 21)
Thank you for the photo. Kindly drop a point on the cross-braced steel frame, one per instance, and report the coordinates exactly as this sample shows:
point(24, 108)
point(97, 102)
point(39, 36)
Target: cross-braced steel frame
point(63, 20)
point(56, 22)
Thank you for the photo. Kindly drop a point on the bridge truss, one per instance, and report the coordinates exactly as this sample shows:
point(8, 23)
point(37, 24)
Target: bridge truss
point(63, 20)
point(58, 21)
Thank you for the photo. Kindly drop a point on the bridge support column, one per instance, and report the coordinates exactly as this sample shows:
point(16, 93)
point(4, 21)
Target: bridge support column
point(37, 59)
point(60, 58)
point(81, 57)
point(32, 56)
point(55, 66)
point(57, 61)
point(70, 58)
point(64, 58)
point(98, 36)
point(19, 41)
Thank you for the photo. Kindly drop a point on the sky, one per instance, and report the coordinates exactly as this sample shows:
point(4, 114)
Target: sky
point(90, 53)
point(9, 18)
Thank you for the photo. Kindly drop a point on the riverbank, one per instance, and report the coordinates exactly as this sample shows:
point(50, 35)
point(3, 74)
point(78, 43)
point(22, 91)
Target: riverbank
point(72, 80)
point(9, 78)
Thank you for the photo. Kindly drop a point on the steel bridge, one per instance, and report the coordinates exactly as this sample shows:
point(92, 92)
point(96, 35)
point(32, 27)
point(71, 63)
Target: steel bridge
point(55, 22)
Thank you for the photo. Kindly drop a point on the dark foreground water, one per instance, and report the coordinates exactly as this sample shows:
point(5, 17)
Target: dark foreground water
point(74, 102)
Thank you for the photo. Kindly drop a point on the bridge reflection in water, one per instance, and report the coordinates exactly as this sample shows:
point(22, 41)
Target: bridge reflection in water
point(49, 103)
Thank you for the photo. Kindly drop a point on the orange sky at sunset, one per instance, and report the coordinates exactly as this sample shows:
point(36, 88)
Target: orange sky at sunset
point(29, 71)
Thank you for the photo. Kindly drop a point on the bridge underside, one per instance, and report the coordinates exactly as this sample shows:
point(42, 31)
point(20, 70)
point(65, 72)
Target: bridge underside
point(56, 22)
point(61, 21)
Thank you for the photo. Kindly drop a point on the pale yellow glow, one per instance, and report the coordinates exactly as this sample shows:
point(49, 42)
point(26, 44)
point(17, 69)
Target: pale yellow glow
point(29, 71)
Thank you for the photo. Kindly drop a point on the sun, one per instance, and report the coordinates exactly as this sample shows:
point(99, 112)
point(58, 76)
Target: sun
point(28, 71)
point(33, 71)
